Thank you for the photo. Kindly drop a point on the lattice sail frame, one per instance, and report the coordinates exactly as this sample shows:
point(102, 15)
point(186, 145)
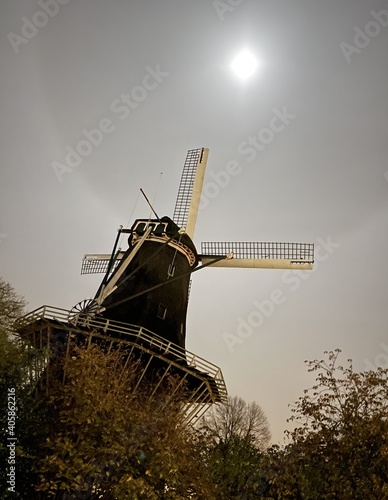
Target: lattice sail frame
point(185, 190)
point(98, 263)
point(190, 188)
point(298, 252)
point(259, 255)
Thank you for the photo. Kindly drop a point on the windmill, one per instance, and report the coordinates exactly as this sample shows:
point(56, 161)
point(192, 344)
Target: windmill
point(141, 303)
point(148, 284)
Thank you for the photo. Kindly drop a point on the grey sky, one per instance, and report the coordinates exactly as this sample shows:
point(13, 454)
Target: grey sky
point(322, 178)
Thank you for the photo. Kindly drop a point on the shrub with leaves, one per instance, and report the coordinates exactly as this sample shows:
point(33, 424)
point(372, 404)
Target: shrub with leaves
point(339, 449)
point(114, 439)
point(16, 363)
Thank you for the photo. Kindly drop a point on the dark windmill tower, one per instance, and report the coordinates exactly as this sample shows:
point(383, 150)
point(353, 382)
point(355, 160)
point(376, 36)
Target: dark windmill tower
point(148, 284)
point(143, 298)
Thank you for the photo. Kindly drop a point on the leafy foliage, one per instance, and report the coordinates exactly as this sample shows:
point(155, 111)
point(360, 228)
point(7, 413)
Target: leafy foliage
point(113, 440)
point(16, 363)
point(12, 352)
point(12, 306)
point(339, 449)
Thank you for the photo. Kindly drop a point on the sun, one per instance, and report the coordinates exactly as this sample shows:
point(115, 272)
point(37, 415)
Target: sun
point(244, 65)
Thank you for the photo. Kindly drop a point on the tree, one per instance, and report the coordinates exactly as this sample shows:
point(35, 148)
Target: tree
point(111, 439)
point(236, 418)
point(18, 417)
point(12, 353)
point(237, 433)
point(339, 449)
point(12, 306)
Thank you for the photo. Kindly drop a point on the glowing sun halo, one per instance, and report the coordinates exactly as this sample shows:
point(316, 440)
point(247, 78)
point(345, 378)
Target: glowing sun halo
point(244, 65)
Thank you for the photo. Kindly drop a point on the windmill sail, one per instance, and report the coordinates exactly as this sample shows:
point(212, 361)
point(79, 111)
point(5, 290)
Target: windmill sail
point(98, 263)
point(190, 187)
point(259, 255)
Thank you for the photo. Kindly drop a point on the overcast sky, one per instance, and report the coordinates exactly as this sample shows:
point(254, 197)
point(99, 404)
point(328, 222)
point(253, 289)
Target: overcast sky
point(306, 135)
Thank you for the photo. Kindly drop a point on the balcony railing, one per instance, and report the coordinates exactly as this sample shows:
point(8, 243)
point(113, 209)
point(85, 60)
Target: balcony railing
point(134, 334)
